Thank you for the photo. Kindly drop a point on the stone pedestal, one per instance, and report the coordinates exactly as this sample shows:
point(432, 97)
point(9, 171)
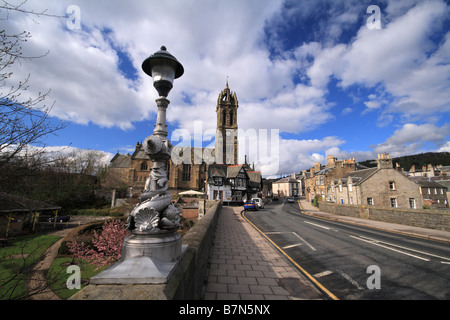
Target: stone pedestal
point(147, 258)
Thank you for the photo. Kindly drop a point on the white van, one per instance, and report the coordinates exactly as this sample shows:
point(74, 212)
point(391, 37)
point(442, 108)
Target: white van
point(259, 202)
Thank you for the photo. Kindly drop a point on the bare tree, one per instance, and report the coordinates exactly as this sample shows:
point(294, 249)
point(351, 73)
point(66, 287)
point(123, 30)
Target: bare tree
point(23, 120)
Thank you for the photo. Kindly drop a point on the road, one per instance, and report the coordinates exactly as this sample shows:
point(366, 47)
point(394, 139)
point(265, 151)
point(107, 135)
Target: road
point(354, 262)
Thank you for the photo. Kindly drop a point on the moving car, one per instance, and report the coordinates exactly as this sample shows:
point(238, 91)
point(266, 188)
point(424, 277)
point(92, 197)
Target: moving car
point(291, 200)
point(250, 205)
point(259, 202)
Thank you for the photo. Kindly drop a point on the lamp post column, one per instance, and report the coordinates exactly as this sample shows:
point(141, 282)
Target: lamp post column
point(161, 126)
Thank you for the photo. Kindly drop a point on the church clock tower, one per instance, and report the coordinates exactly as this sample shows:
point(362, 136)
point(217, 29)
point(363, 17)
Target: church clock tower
point(226, 149)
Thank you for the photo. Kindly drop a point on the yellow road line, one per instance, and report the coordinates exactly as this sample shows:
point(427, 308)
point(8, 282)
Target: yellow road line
point(317, 283)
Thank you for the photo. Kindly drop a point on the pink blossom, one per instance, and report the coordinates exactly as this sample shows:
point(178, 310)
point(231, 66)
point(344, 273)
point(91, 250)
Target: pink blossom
point(107, 245)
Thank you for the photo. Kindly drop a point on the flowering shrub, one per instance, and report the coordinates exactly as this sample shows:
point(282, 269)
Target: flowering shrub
point(106, 245)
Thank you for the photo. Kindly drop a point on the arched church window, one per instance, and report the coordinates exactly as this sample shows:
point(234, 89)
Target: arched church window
point(231, 118)
point(144, 165)
point(224, 118)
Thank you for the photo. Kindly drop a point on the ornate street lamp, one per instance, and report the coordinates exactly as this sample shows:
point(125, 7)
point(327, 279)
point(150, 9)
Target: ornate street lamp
point(154, 246)
point(163, 68)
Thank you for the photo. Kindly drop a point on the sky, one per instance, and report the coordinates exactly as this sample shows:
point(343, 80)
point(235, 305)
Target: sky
point(319, 78)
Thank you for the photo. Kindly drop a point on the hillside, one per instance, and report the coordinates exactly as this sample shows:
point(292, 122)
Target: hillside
point(419, 160)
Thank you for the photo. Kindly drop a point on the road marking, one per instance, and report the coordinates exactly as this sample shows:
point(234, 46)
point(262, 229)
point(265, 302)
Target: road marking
point(292, 246)
point(323, 274)
point(348, 278)
point(374, 242)
point(445, 262)
point(406, 248)
point(317, 225)
point(305, 242)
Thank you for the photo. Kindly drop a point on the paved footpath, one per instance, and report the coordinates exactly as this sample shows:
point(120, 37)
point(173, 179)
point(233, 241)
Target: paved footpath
point(244, 265)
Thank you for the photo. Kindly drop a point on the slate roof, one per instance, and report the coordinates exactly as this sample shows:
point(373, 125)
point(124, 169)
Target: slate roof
point(359, 175)
point(120, 161)
point(286, 179)
point(233, 171)
point(429, 184)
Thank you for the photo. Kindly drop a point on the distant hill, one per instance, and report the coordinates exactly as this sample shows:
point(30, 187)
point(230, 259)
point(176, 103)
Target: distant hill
point(419, 160)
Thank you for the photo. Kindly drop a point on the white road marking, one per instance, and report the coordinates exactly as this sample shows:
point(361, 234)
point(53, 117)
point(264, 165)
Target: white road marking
point(292, 246)
point(305, 242)
point(374, 242)
point(406, 248)
point(323, 274)
point(317, 225)
point(348, 278)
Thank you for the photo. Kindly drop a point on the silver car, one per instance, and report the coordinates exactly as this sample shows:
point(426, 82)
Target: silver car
point(259, 202)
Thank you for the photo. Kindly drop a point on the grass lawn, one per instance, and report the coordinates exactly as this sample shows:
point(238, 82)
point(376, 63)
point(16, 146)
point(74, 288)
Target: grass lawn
point(16, 261)
point(57, 276)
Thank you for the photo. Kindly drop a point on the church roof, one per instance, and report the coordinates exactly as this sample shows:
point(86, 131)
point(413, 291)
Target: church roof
point(120, 161)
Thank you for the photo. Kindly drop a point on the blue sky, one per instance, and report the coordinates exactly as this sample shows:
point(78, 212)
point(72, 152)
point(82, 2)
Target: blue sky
point(313, 70)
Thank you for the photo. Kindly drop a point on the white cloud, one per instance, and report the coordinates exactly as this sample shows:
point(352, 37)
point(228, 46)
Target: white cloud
point(228, 38)
point(445, 147)
point(411, 138)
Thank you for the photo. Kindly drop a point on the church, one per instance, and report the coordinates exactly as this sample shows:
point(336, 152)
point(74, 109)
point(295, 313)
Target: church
point(222, 179)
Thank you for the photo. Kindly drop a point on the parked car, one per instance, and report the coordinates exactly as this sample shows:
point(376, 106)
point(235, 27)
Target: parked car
point(59, 218)
point(291, 200)
point(259, 202)
point(250, 205)
point(275, 198)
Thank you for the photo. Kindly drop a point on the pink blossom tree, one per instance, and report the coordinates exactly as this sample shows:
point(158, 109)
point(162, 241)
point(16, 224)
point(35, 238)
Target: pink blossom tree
point(106, 245)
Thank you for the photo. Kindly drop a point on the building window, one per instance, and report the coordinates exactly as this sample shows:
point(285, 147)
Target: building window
point(435, 191)
point(351, 200)
point(350, 187)
point(321, 180)
point(224, 118)
point(412, 203)
point(393, 203)
point(186, 172)
point(370, 201)
point(340, 188)
point(391, 185)
point(144, 166)
point(231, 118)
point(429, 191)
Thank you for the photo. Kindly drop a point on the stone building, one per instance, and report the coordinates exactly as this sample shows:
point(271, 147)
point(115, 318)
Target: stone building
point(133, 171)
point(382, 186)
point(434, 194)
point(227, 144)
point(320, 178)
point(287, 187)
